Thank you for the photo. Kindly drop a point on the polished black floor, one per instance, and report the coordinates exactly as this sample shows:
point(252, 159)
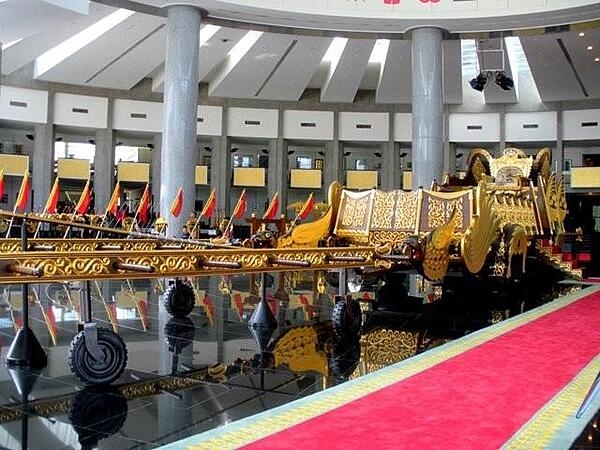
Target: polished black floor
point(188, 375)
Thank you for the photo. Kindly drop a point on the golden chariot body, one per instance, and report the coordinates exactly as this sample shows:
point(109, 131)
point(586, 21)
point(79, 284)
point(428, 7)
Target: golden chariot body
point(495, 212)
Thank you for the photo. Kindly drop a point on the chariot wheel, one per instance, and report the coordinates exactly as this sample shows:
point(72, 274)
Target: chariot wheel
point(346, 319)
point(180, 299)
point(96, 413)
point(90, 371)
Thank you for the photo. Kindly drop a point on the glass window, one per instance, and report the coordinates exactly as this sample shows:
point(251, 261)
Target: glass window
point(126, 153)
point(76, 150)
point(304, 162)
point(242, 161)
point(361, 164)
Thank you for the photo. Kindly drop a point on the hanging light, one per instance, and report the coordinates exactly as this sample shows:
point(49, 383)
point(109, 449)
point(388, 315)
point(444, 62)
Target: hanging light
point(479, 82)
point(504, 82)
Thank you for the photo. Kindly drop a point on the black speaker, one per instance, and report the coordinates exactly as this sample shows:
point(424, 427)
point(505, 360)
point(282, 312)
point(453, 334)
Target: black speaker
point(263, 161)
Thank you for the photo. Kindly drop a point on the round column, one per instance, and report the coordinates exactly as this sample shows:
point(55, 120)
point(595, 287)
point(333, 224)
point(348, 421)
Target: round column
point(427, 107)
point(179, 141)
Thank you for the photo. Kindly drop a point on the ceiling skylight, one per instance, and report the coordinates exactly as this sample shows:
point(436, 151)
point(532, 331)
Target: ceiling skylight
point(62, 51)
point(379, 52)
point(335, 50)
point(10, 44)
point(244, 44)
point(206, 32)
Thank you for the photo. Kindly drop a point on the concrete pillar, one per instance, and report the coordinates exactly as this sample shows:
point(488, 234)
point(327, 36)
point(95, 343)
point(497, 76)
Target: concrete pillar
point(104, 165)
point(43, 163)
point(179, 140)
point(156, 152)
point(277, 173)
point(427, 105)
point(333, 169)
point(390, 170)
point(220, 172)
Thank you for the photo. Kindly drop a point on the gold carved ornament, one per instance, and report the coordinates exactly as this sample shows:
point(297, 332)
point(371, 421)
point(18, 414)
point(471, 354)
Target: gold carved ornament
point(309, 234)
point(517, 245)
point(437, 245)
point(475, 244)
point(299, 349)
point(382, 347)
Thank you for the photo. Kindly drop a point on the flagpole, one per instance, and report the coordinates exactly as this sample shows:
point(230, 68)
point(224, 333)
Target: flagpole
point(210, 198)
point(39, 225)
point(230, 223)
point(11, 221)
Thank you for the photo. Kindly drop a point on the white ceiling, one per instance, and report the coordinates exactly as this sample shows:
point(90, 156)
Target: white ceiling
point(281, 66)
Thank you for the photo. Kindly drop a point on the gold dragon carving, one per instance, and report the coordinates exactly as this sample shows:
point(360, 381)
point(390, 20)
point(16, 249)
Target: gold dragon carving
point(437, 245)
point(476, 242)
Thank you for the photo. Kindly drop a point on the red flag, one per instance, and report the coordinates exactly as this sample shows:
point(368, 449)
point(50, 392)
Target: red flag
point(84, 200)
point(113, 203)
point(273, 208)
point(23, 197)
point(177, 204)
point(272, 301)
point(209, 206)
point(142, 307)
point(53, 198)
point(307, 306)
point(209, 308)
point(2, 187)
point(142, 210)
point(240, 206)
point(239, 304)
point(307, 207)
point(50, 320)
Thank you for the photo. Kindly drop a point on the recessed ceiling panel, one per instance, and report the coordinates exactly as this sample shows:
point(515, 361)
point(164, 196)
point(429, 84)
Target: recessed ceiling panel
point(106, 50)
point(583, 51)
point(344, 77)
point(26, 50)
point(395, 81)
point(129, 68)
point(452, 72)
point(245, 78)
point(550, 69)
point(292, 76)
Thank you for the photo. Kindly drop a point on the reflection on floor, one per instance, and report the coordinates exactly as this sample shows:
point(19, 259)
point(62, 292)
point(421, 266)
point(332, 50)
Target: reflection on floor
point(188, 375)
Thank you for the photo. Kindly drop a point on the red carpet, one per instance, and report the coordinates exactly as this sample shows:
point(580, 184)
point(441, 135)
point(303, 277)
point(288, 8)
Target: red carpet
point(475, 400)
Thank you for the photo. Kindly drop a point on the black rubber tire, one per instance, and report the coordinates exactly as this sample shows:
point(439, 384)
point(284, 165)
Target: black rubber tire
point(97, 413)
point(344, 359)
point(87, 369)
point(179, 299)
point(346, 319)
point(180, 333)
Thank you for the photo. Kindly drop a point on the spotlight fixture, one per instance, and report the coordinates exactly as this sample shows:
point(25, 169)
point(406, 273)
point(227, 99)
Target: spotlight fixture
point(321, 153)
point(479, 82)
point(459, 155)
point(208, 149)
point(150, 146)
point(403, 154)
point(265, 151)
point(30, 137)
point(378, 154)
point(58, 138)
point(291, 152)
point(92, 141)
point(504, 82)
point(347, 153)
point(233, 150)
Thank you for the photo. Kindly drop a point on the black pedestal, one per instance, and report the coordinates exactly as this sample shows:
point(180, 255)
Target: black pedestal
point(26, 350)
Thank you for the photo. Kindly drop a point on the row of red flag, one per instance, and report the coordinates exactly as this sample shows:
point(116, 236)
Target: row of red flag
point(142, 210)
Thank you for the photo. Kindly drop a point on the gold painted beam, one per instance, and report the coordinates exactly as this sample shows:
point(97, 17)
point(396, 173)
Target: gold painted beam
point(46, 266)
